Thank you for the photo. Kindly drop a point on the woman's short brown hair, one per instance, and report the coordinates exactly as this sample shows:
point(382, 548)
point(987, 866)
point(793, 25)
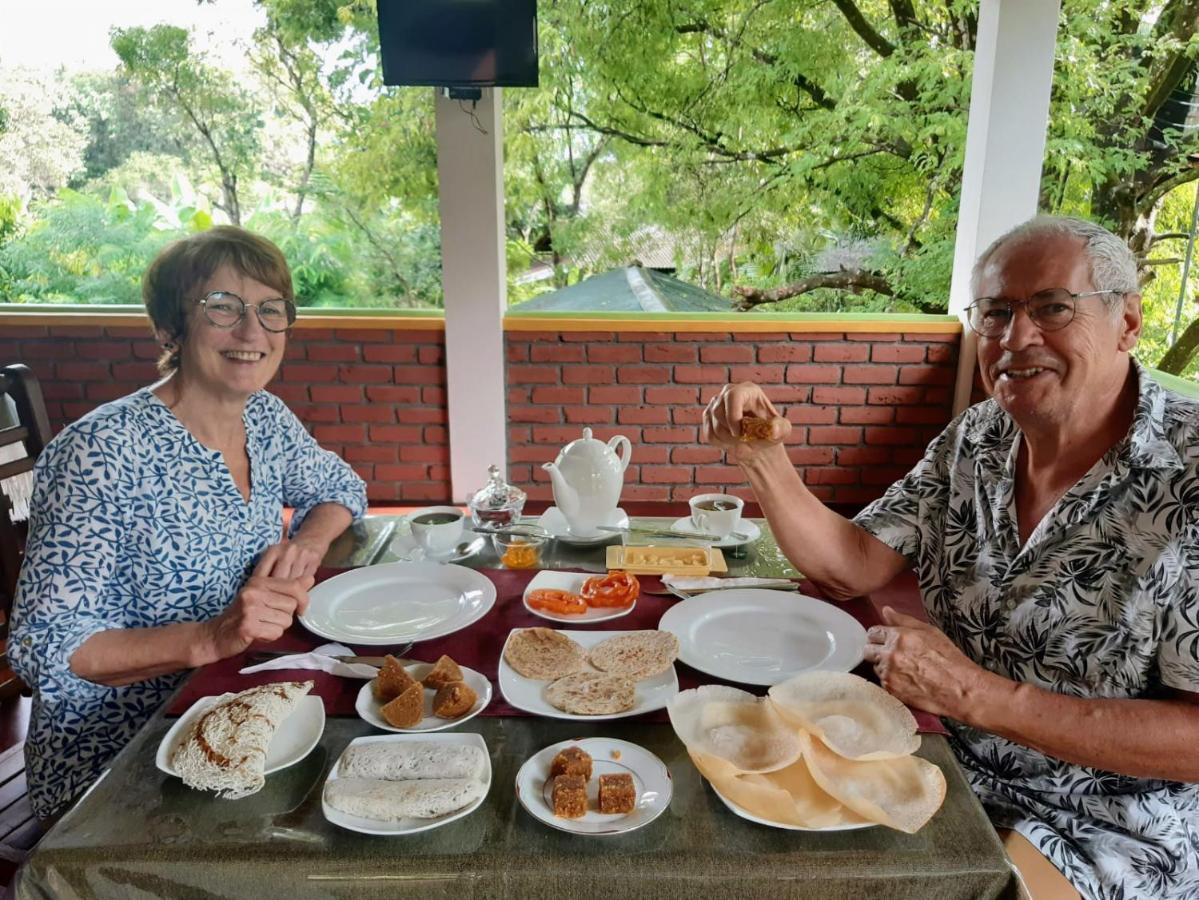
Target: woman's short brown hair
point(179, 270)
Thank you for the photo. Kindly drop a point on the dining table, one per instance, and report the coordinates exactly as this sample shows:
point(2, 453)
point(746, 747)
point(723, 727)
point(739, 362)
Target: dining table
point(139, 832)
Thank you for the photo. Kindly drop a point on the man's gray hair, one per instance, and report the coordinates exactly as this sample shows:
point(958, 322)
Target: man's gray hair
point(1113, 267)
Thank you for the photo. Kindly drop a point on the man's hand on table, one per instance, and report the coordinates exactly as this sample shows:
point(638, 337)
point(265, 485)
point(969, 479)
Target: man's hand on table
point(921, 666)
point(721, 424)
point(262, 610)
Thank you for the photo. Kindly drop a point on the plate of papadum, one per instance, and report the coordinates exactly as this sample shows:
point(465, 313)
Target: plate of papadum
point(588, 675)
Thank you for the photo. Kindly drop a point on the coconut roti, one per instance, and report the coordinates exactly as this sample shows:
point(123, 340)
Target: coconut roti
point(637, 655)
point(543, 654)
point(592, 694)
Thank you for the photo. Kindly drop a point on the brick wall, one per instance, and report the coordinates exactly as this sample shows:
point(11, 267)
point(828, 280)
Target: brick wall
point(863, 406)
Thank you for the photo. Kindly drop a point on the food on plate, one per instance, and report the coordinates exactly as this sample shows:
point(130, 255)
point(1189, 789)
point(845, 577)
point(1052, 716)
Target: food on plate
point(615, 590)
point(852, 716)
point(398, 761)
point(569, 796)
point(543, 653)
point(453, 700)
point(406, 710)
point(677, 557)
point(225, 748)
point(615, 754)
point(637, 655)
point(617, 793)
point(393, 679)
point(564, 603)
point(591, 694)
point(755, 429)
point(444, 671)
point(521, 555)
point(389, 801)
point(571, 761)
point(734, 725)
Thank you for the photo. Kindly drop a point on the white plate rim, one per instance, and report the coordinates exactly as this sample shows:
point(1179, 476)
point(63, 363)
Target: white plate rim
point(534, 771)
point(548, 577)
point(770, 823)
point(309, 711)
point(618, 519)
point(472, 577)
point(851, 641)
point(364, 825)
point(508, 679)
point(365, 704)
point(751, 529)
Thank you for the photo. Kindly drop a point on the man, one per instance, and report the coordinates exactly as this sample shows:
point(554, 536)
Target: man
point(1055, 531)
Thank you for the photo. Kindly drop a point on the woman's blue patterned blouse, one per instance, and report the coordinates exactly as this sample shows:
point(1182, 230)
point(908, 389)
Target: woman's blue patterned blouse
point(136, 524)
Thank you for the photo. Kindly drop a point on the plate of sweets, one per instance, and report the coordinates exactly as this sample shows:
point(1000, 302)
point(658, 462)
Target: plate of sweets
point(410, 696)
point(594, 786)
point(576, 597)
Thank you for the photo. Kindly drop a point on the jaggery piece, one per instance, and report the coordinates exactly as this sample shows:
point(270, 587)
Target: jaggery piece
point(755, 429)
point(571, 761)
point(406, 710)
point(393, 679)
point(569, 793)
point(444, 671)
point(453, 700)
point(617, 793)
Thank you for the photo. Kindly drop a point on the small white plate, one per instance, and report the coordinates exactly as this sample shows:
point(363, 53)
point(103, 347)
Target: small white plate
point(757, 636)
point(751, 531)
point(651, 779)
point(405, 549)
point(529, 694)
point(368, 706)
point(746, 814)
point(572, 582)
point(395, 602)
point(409, 825)
point(293, 740)
point(553, 521)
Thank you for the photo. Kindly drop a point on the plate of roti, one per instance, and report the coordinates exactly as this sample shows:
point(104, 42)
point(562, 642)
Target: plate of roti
point(588, 675)
point(406, 783)
point(229, 743)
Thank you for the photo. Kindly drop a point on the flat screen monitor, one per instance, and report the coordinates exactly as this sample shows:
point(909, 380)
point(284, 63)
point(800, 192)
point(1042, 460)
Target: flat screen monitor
point(459, 43)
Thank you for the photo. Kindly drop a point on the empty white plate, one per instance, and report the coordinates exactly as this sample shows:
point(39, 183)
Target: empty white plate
point(651, 780)
point(397, 602)
point(572, 582)
point(756, 636)
point(368, 707)
point(746, 814)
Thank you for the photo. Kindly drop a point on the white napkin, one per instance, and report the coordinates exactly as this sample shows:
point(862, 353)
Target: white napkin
point(320, 658)
point(696, 583)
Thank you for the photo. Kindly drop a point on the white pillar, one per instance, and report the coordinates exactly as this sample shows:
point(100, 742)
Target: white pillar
point(470, 172)
point(1005, 142)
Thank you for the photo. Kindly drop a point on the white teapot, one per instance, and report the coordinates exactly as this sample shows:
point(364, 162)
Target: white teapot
point(587, 477)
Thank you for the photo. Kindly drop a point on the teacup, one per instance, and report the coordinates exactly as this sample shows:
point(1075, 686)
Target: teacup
point(437, 529)
point(716, 514)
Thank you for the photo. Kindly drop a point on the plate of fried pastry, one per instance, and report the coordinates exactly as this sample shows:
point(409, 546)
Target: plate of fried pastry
point(422, 696)
point(588, 674)
point(594, 786)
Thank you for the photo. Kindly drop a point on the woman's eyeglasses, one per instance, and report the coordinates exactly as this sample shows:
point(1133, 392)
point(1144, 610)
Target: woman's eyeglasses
point(1049, 310)
point(224, 310)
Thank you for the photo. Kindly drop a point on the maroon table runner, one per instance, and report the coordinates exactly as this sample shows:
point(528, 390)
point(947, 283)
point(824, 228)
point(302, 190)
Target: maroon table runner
point(479, 646)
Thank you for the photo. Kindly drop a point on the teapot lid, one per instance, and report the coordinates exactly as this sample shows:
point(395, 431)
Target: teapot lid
point(497, 493)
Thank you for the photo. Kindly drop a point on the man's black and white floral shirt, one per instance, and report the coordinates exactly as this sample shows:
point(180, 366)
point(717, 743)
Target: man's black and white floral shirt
point(1103, 601)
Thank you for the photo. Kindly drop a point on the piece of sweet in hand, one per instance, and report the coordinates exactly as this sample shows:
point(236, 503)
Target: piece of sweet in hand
point(617, 794)
point(755, 429)
point(569, 793)
point(393, 679)
point(444, 671)
point(453, 700)
point(571, 761)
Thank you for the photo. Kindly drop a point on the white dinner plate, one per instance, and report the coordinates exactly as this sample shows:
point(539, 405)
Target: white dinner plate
point(553, 521)
point(751, 531)
point(368, 707)
point(529, 694)
point(397, 602)
point(756, 636)
point(572, 582)
point(746, 814)
point(408, 825)
point(293, 740)
point(651, 779)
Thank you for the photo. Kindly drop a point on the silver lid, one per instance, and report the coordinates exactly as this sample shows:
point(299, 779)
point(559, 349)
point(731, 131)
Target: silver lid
point(497, 493)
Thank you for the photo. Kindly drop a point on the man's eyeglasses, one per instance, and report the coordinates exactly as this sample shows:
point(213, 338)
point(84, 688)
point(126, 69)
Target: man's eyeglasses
point(1049, 310)
point(224, 310)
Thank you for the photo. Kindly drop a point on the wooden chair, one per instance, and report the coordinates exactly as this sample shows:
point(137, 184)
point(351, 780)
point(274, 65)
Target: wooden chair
point(27, 437)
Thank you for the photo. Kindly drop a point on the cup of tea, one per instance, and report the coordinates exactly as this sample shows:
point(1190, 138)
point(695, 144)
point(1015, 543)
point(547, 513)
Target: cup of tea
point(437, 529)
point(716, 514)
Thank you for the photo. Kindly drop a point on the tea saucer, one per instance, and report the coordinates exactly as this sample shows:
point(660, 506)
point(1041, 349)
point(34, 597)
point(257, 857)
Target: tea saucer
point(553, 521)
point(751, 531)
point(406, 549)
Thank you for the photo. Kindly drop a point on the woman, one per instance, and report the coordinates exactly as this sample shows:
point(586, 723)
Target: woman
point(154, 543)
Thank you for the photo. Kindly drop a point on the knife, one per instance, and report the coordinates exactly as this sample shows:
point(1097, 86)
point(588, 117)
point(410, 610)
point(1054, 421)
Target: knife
point(377, 661)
